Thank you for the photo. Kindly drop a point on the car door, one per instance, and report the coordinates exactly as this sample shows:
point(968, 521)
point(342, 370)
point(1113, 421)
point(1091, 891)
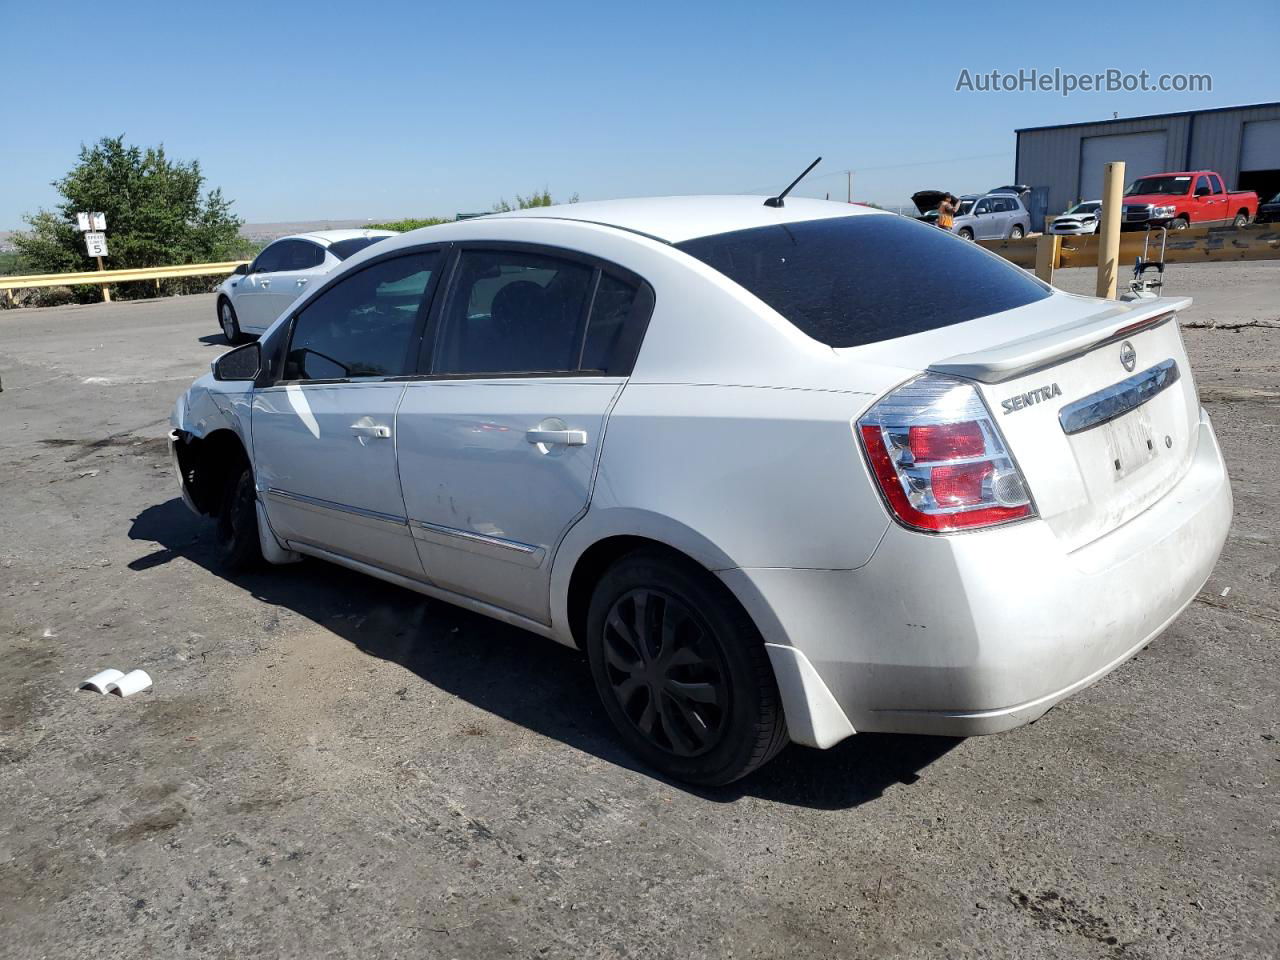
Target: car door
point(498, 442)
point(1203, 203)
point(982, 219)
point(252, 292)
point(300, 264)
point(324, 437)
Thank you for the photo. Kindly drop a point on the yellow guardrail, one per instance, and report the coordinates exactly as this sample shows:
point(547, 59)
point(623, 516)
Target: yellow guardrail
point(107, 277)
point(1258, 241)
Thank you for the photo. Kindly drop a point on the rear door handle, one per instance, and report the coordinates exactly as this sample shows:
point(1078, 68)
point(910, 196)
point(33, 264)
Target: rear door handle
point(264, 283)
point(301, 281)
point(568, 438)
point(378, 430)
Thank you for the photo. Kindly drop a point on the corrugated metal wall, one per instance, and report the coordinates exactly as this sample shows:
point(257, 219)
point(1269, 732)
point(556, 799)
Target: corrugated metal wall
point(1211, 140)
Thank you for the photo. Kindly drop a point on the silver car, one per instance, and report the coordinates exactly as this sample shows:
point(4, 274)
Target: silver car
point(995, 216)
point(774, 481)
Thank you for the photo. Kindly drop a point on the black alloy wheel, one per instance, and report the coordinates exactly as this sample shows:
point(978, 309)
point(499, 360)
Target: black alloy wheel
point(666, 672)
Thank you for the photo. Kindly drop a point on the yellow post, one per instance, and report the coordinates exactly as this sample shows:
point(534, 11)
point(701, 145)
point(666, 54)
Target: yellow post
point(1109, 230)
point(1047, 255)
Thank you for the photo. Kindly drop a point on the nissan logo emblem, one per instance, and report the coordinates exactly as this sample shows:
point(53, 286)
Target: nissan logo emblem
point(1128, 356)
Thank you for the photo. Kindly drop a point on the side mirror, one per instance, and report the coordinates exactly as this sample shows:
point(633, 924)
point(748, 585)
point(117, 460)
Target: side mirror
point(242, 363)
point(241, 270)
point(1203, 191)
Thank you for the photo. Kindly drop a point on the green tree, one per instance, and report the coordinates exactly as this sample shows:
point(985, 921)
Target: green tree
point(157, 214)
point(536, 199)
point(407, 224)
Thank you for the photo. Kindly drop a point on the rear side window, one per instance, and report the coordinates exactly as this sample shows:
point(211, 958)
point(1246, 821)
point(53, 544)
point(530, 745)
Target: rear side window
point(849, 281)
point(513, 312)
point(363, 325)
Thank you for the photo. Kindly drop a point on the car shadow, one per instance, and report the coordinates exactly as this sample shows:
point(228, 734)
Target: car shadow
point(519, 676)
point(215, 340)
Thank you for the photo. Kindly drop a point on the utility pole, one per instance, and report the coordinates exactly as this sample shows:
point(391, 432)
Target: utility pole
point(849, 193)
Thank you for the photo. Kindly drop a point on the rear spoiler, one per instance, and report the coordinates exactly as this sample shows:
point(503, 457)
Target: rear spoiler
point(1044, 348)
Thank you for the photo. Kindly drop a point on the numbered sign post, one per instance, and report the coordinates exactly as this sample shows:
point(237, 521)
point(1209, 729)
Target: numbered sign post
point(93, 225)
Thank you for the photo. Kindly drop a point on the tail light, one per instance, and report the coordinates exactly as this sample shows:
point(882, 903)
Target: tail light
point(940, 460)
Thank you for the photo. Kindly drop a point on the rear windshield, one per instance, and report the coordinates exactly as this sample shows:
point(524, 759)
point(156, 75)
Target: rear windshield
point(345, 248)
point(848, 281)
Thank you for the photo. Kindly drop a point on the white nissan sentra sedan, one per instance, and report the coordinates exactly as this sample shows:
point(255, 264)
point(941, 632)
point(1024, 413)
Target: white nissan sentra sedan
point(782, 473)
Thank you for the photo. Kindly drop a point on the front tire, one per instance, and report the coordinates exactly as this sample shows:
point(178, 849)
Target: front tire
point(236, 537)
point(1179, 223)
point(1016, 232)
point(966, 233)
point(229, 322)
point(682, 671)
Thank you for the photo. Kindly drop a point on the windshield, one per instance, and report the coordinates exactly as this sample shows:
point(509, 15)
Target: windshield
point(965, 207)
point(1275, 199)
point(345, 248)
point(1170, 186)
point(1085, 208)
point(848, 281)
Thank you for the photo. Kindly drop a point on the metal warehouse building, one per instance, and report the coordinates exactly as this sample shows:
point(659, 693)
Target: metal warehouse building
point(1063, 164)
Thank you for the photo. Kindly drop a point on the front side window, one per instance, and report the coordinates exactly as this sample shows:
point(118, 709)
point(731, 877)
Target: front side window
point(848, 281)
point(984, 206)
point(513, 312)
point(270, 259)
point(364, 324)
point(1203, 189)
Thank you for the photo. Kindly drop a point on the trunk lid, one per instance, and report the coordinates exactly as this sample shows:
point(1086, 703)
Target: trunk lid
point(1095, 400)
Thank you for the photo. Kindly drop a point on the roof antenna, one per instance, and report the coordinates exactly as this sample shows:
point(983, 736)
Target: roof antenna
point(777, 201)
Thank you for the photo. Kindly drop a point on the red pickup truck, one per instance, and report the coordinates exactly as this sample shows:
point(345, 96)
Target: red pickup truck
point(1178, 200)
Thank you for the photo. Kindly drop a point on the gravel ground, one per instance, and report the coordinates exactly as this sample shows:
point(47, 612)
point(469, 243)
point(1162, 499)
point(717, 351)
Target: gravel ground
point(333, 767)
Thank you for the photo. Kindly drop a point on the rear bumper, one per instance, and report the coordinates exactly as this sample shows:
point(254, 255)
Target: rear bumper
point(979, 633)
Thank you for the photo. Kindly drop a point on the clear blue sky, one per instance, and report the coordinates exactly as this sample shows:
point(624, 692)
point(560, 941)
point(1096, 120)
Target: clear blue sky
point(314, 110)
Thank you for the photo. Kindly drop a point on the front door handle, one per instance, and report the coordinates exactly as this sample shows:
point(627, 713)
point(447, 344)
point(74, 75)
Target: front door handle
point(377, 430)
point(302, 281)
point(567, 438)
point(264, 283)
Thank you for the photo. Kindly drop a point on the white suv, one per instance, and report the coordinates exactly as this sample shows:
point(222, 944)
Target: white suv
point(251, 298)
point(774, 481)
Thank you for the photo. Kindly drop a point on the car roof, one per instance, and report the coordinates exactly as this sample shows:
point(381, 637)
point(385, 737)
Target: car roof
point(674, 219)
point(328, 237)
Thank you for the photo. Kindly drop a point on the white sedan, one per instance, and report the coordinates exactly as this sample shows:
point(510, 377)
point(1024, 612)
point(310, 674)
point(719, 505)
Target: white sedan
point(1080, 219)
point(776, 483)
point(251, 298)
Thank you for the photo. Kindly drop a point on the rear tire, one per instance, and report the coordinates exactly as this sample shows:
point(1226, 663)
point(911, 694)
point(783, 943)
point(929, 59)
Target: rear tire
point(1016, 232)
point(1242, 219)
point(229, 322)
point(966, 233)
point(237, 531)
point(682, 671)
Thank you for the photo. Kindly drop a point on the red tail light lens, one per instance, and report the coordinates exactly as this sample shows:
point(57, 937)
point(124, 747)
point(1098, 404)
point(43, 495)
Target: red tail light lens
point(940, 460)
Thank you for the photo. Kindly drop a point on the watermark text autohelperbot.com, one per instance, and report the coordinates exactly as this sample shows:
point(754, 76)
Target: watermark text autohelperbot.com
point(1066, 83)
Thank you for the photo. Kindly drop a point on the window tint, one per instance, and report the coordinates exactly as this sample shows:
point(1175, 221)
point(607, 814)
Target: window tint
point(345, 248)
point(1215, 181)
point(1203, 187)
point(610, 312)
point(270, 259)
point(513, 312)
point(362, 326)
point(984, 206)
point(847, 281)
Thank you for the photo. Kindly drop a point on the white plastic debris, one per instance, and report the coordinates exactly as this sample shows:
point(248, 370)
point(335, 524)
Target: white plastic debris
point(98, 682)
point(129, 684)
point(1225, 591)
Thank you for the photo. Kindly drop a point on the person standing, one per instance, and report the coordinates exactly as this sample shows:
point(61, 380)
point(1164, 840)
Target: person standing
point(947, 211)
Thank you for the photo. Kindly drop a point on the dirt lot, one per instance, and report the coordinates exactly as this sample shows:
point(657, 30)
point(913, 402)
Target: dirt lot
point(328, 766)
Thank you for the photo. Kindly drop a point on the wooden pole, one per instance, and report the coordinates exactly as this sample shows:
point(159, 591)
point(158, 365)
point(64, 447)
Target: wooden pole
point(1109, 230)
point(106, 290)
point(1047, 255)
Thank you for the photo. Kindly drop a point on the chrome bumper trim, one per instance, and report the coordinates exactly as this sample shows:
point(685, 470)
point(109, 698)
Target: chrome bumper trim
point(1118, 399)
